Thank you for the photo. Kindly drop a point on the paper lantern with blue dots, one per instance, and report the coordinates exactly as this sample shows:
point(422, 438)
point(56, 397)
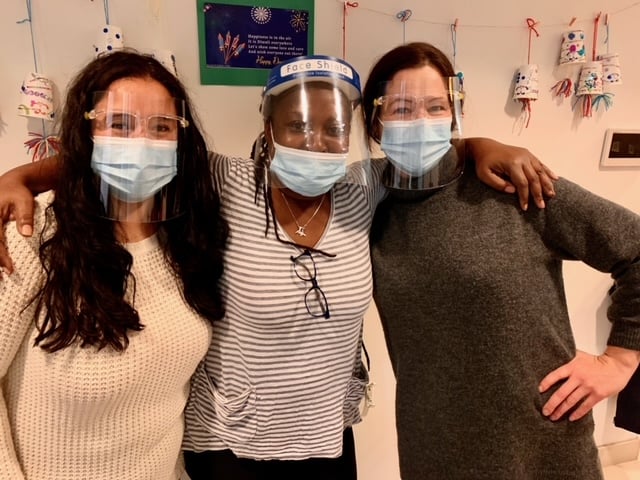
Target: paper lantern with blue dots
point(110, 39)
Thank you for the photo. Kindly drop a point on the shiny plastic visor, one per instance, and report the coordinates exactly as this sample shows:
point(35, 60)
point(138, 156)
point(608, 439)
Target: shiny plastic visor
point(135, 155)
point(314, 125)
point(416, 125)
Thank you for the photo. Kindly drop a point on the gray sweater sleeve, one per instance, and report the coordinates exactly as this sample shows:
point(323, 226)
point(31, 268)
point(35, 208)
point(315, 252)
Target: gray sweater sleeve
point(580, 225)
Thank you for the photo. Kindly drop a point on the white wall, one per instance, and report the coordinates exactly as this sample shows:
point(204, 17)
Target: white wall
point(492, 43)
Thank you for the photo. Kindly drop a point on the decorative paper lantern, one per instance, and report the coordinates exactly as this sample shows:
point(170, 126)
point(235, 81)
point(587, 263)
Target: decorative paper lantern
point(166, 58)
point(572, 49)
point(589, 87)
point(109, 38)
point(525, 89)
point(611, 68)
point(37, 97)
point(590, 81)
point(526, 83)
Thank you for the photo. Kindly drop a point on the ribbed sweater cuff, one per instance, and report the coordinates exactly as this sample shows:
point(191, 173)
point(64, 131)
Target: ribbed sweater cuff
point(625, 333)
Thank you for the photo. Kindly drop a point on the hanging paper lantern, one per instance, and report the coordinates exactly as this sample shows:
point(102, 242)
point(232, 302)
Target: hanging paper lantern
point(109, 39)
point(525, 89)
point(589, 86)
point(36, 97)
point(572, 52)
point(572, 49)
point(167, 59)
point(590, 81)
point(611, 68)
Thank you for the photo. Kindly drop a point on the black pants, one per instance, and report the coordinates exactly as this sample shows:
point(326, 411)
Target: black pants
point(223, 465)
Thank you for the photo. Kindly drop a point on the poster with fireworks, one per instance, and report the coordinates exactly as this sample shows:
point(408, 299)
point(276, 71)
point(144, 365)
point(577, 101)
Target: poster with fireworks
point(240, 40)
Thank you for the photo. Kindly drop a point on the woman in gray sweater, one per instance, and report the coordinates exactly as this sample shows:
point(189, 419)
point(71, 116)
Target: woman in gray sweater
point(470, 293)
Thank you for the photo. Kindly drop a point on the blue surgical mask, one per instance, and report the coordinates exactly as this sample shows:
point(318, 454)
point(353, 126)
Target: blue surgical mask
point(416, 146)
point(308, 173)
point(134, 168)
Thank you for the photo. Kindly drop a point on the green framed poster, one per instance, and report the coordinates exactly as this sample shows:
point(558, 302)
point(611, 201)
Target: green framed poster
point(240, 40)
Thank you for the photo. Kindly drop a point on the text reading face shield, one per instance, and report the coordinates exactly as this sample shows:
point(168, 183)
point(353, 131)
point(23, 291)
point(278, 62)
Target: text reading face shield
point(314, 125)
point(135, 155)
point(417, 122)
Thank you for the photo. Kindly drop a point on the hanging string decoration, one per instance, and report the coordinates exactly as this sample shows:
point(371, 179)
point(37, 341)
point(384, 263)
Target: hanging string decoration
point(41, 146)
point(459, 74)
point(563, 88)
point(345, 9)
point(110, 37)
point(404, 16)
point(589, 86)
point(610, 61)
point(525, 88)
point(37, 101)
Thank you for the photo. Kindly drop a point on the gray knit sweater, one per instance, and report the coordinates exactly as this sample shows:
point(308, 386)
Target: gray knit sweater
point(471, 297)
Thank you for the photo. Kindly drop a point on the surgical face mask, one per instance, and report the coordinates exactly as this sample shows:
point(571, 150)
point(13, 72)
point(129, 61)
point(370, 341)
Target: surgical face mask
point(416, 146)
point(308, 173)
point(134, 168)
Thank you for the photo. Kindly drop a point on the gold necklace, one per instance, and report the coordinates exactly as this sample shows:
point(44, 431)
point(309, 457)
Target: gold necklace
point(301, 228)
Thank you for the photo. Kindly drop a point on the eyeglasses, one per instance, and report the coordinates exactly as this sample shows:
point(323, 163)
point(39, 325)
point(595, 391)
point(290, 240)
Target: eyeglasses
point(303, 135)
point(333, 129)
point(124, 124)
point(314, 299)
point(410, 107)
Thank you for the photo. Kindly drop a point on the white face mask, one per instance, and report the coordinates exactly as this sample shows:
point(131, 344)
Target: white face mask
point(135, 168)
point(308, 173)
point(416, 146)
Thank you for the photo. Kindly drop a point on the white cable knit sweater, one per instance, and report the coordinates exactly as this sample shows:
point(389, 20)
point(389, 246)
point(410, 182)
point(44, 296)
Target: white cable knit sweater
point(80, 413)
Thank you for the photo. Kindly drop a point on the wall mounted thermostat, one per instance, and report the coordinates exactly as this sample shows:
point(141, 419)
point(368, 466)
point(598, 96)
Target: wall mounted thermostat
point(621, 148)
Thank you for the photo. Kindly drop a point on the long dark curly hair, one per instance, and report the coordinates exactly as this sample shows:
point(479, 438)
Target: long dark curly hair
point(87, 269)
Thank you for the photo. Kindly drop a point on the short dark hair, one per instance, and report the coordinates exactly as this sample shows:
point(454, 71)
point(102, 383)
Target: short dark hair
point(411, 55)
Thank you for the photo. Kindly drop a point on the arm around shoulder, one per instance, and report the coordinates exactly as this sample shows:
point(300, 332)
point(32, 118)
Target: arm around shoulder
point(17, 187)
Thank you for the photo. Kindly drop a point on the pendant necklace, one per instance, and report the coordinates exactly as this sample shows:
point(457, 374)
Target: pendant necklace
point(301, 228)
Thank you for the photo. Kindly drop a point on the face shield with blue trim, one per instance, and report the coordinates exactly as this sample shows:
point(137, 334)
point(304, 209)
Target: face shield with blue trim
point(416, 124)
point(314, 125)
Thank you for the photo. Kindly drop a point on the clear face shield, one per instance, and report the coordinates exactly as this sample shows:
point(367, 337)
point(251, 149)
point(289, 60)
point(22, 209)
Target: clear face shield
point(314, 126)
point(135, 155)
point(415, 125)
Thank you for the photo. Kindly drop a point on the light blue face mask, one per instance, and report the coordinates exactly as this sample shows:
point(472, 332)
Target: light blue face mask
point(416, 146)
point(308, 173)
point(134, 168)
